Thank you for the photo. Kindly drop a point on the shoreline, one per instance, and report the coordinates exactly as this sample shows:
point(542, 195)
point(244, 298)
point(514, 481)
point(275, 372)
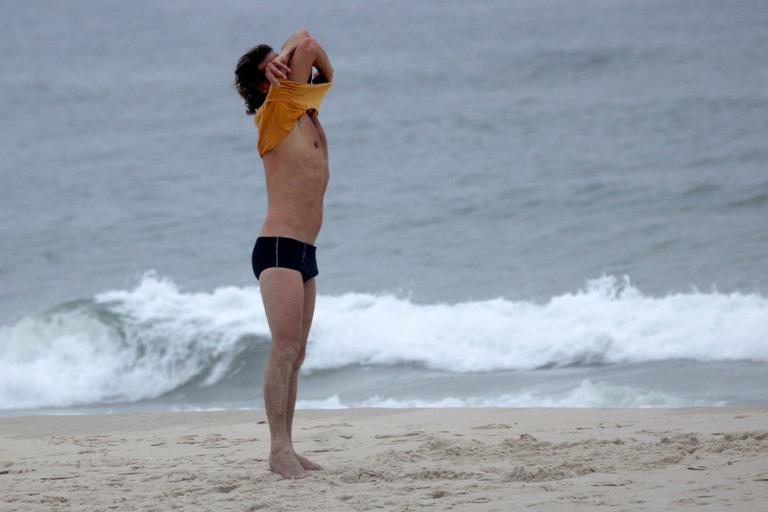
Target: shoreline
point(463, 459)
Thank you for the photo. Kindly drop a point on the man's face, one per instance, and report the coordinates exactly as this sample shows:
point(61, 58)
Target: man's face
point(264, 86)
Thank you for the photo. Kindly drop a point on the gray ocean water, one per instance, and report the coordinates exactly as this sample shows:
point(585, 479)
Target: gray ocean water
point(531, 204)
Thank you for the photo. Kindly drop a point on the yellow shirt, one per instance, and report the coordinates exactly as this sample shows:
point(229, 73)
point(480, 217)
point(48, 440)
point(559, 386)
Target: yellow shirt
point(282, 107)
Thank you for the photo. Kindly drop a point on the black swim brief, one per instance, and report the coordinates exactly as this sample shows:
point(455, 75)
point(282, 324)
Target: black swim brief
point(280, 251)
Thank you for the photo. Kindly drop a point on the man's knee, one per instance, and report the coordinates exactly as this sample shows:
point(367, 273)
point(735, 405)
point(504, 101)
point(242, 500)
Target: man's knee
point(300, 359)
point(288, 350)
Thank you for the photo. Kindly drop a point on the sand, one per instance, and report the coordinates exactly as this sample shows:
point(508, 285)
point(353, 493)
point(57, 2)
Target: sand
point(462, 459)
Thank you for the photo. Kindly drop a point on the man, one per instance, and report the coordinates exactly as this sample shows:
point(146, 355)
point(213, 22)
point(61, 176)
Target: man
point(285, 97)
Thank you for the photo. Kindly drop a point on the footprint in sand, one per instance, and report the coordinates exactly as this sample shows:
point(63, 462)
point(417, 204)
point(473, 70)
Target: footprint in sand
point(327, 425)
point(491, 426)
point(401, 437)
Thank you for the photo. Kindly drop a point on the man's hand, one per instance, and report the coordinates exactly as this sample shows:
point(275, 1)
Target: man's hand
point(277, 68)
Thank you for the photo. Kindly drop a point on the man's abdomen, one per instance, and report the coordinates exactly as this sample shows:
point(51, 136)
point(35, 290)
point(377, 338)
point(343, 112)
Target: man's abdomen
point(295, 202)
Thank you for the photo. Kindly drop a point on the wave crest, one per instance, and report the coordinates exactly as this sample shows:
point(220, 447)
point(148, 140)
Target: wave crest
point(129, 345)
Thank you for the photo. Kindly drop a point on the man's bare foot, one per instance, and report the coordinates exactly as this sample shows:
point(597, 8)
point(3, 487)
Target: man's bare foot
point(286, 464)
point(306, 463)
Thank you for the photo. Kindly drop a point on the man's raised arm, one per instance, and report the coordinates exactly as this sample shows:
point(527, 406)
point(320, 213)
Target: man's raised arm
point(287, 50)
point(306, 54)
point(324, 67)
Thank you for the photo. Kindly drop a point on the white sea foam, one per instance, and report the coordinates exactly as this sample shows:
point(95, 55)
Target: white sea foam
point(130, 345)
point(609, 321)
point(586, 394)
point(136, 344)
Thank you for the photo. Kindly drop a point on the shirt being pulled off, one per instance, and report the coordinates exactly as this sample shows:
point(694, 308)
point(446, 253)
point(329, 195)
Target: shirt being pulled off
point(282, 107)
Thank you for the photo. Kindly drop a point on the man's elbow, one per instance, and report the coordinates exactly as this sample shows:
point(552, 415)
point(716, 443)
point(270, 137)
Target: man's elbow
point(308, 45)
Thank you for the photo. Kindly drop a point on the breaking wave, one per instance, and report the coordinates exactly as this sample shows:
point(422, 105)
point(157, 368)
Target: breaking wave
point(137, 344)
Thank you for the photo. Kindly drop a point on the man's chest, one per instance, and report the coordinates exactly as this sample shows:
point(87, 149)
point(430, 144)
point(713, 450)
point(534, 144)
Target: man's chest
point(309, 134)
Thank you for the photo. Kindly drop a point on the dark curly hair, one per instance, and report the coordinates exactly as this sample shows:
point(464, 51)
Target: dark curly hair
point(248, 77)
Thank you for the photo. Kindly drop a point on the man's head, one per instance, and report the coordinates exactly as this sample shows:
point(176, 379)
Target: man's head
point(250, 80)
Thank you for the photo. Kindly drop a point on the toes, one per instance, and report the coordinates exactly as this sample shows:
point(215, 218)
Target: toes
point(308, 464)
point(287, 466)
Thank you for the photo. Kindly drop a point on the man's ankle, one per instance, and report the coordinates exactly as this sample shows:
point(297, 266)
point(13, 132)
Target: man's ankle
point(280, 447)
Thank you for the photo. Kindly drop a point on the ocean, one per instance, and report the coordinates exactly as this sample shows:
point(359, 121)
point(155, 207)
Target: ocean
point(531, 204)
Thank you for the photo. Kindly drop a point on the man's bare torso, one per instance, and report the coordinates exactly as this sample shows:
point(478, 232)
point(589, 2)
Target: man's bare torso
point(297, 175)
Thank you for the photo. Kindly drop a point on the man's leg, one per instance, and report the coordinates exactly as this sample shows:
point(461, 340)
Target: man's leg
point(282, 292)
point(309, 310)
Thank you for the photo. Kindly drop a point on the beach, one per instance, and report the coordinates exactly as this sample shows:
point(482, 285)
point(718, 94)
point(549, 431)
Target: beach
point(542, 259)
point(462, 459)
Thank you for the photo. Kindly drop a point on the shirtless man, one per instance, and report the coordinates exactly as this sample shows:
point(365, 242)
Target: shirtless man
point(282, 92)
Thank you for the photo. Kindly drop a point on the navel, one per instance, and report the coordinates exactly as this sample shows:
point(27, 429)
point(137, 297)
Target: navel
point(315, 143)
